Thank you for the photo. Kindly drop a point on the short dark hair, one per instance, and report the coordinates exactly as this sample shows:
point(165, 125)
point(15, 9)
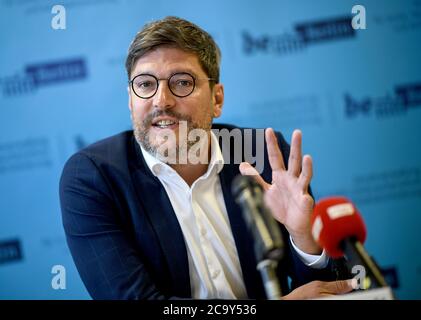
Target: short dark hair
point(178, 33)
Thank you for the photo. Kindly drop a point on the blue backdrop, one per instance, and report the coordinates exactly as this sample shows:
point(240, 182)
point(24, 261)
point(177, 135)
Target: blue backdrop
point(356, 95)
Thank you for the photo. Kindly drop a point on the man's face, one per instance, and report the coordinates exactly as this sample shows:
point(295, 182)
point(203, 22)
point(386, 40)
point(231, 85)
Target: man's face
point(197, 110)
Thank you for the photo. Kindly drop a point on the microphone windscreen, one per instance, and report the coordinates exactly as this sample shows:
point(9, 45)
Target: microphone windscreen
point(335, 219)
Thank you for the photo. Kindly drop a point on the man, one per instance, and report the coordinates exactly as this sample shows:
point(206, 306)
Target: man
point(147, 218)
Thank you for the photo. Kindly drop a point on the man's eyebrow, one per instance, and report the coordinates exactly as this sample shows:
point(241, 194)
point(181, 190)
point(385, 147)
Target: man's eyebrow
point(184, 70)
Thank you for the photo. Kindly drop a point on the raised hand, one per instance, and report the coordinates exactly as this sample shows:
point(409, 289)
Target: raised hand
point(287, 195)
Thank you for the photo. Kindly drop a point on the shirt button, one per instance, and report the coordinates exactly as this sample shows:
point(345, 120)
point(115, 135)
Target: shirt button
point(203, 231)
point(215, 274)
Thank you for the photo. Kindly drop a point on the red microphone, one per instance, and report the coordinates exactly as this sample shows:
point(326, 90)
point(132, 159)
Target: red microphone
point(338, 227)
point(335, 219)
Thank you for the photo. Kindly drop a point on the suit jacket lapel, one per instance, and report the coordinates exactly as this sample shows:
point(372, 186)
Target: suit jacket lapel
point(243, 238)
point(164, 221)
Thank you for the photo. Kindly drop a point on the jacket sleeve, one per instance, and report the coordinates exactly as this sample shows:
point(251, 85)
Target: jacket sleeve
point(106, 259)
point(301, 274)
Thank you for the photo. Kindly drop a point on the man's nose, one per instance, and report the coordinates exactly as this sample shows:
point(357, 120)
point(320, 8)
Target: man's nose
point(163, 98)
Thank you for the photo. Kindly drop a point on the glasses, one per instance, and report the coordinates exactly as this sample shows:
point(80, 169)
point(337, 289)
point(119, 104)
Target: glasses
point(181, 84)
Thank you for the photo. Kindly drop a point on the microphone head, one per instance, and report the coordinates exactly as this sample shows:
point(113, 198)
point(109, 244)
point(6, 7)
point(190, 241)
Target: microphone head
point(335, 219)
point(241, 183)
point(268, 242)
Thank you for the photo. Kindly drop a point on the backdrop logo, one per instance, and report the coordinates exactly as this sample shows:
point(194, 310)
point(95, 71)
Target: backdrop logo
point(10, 250)
point(403, 98)
point(304, 34)
point(328, 30)
point(43, 74)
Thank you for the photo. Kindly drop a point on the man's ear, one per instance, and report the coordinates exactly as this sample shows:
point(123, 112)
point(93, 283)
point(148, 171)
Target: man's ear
point(218, 99)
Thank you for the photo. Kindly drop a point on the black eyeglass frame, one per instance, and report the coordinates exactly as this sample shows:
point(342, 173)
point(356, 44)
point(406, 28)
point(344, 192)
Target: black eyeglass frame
point(131, 82)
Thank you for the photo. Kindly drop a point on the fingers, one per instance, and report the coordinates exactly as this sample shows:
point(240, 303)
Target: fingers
point(295, 155)
point(246, 169)
point(298, 166)
point(338, 287)
point(319, 289)
point(306, 173)
point(275, 156)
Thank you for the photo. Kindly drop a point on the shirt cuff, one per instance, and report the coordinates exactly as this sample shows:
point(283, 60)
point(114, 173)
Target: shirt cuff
point(311, 260)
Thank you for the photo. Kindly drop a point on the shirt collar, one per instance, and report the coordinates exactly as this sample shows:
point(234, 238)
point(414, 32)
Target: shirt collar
point(216, 160)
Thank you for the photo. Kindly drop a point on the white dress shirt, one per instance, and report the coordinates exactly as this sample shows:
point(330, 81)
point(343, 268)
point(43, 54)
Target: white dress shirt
point(214, 266)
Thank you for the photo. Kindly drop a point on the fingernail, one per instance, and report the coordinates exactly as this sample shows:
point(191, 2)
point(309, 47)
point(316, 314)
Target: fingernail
point(249, 172)
point(246, 170)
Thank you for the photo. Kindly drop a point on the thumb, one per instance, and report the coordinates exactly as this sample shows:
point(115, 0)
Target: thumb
point(246, 169)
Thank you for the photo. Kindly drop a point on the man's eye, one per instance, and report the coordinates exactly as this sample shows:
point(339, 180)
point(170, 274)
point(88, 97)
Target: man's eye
point(184, 83)
point(144, 84)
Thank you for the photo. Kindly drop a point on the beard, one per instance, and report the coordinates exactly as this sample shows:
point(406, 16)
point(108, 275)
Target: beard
point(141, 130)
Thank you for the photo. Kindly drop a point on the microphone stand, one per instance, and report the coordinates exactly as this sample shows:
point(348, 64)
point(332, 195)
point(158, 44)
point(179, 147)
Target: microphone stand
point(267, 270)
point(354, 251)
point(268, 246)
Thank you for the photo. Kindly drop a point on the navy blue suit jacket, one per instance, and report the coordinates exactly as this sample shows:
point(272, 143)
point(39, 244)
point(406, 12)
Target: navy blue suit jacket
point(125, 238)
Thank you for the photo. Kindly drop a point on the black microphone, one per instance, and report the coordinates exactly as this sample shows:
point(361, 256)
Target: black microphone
point(268, 242)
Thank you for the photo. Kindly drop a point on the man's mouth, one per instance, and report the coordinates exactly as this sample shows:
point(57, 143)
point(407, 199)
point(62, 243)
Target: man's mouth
point(165, 123)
